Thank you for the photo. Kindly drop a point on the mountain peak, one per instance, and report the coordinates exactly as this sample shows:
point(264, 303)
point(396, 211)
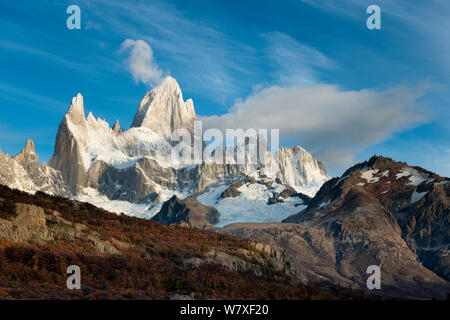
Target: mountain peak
point(376, 162)
point(29, 146)
point(28, 153)
point(169, 83)
point(163, 109)
point(381, 162)
point(76, 109)
point(116, 127)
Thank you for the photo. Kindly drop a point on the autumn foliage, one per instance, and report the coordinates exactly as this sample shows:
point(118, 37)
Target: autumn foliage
point(150, 264)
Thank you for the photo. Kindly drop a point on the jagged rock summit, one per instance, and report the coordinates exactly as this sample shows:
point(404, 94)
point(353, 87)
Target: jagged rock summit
point(24, 172)
point(163, 110)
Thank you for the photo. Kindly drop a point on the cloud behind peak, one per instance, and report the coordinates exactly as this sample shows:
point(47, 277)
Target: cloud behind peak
point(140, 62)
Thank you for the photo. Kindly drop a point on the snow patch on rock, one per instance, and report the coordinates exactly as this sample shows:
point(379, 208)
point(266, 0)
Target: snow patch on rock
point(416, 196)
point(415, 177)
point(369, 176)
point(324, 204)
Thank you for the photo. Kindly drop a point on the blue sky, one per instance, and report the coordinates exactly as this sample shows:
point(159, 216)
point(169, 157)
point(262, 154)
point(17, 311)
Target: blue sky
point(310, 68)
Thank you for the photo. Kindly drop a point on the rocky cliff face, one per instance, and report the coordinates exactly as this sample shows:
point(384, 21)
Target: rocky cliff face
point(28, 224)
point(69, 147)
point(163, 110)
point(297, 167)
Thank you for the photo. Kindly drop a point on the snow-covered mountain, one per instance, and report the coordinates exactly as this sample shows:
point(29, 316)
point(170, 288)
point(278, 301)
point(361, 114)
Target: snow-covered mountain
point(133, 171)
point(24, 172)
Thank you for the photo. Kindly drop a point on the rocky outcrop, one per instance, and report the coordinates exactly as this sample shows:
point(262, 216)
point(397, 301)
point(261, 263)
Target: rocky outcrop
point(257, 259)
point(33, 224)
point(233, 190)
point(188, 210)
point(65, 230)
point(288, 192)
point(28, 224)
point(116, 127)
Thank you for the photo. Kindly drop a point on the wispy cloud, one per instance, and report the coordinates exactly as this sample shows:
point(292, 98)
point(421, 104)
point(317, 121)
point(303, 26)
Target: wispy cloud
point(26, 39)
point(140, 62)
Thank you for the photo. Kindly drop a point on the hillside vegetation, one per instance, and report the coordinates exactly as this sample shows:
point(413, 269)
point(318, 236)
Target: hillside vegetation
point(123, 257)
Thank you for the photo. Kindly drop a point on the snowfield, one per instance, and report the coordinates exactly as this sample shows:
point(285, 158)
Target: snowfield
point(250, 206)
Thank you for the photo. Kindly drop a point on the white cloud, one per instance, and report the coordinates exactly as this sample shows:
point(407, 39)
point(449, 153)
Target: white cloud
point(141, 63)
point(332, 123)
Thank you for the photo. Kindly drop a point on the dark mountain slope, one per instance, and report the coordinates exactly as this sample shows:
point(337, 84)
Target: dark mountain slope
point(380, 212)
point(188, 210)
point(414, 199)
